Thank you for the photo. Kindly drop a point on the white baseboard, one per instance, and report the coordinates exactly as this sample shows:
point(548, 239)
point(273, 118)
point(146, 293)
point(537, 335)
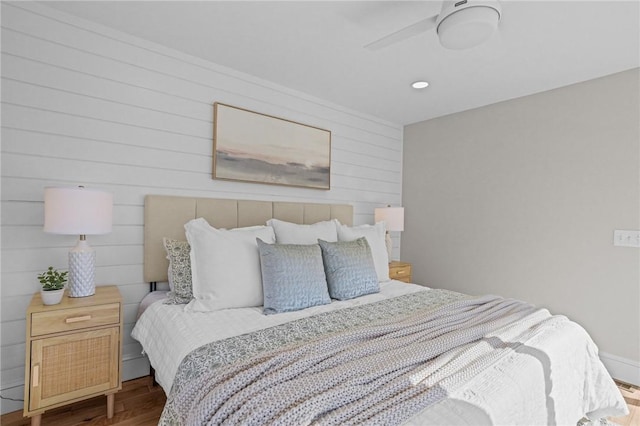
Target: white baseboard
point(623, 369)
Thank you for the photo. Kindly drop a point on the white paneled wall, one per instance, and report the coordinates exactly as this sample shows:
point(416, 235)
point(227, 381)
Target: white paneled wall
point(83, 104)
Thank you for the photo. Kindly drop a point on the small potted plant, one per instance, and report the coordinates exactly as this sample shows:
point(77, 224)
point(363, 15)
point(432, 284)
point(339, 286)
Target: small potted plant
point(53, 282)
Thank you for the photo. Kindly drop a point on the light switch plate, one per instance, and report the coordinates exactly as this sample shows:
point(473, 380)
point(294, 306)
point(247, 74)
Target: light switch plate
point(624, 238)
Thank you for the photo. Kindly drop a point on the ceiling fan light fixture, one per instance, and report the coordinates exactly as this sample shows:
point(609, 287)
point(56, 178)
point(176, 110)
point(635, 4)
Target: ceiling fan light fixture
point(465, 24)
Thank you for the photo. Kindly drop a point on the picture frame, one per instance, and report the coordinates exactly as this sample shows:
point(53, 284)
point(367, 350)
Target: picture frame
point(254, 147)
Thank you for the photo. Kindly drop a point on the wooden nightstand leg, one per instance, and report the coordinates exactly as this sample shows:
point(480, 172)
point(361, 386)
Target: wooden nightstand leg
point(35, 420)
point(111, 398)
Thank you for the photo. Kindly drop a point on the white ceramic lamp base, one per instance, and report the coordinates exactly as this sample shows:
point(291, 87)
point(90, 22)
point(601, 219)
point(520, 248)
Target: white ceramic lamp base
point(82, 270)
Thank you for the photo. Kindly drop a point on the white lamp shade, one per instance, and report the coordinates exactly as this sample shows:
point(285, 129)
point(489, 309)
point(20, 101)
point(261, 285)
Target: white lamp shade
point(77, 211)
point(393, 217)
point(468, 28)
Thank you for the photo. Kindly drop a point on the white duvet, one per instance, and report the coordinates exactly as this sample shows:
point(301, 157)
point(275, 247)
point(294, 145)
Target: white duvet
point(552, 381)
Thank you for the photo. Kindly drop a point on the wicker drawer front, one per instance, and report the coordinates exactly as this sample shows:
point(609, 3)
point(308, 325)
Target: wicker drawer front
point(74, 319)
point(73, 365)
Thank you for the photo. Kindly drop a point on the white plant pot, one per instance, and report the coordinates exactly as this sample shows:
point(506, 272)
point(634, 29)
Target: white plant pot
point(52, 297)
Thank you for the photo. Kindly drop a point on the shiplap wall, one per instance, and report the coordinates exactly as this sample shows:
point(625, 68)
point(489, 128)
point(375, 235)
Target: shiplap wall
point(83, 104)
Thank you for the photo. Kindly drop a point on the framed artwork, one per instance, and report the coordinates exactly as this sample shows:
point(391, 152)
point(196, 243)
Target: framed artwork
point(254, 147)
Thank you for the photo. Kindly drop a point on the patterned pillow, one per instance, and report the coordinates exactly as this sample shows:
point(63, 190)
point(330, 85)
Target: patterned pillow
point(292, 277)
point(349, 268)
point(178, 253)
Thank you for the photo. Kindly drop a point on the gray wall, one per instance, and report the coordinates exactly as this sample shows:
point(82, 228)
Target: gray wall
point(521, 199)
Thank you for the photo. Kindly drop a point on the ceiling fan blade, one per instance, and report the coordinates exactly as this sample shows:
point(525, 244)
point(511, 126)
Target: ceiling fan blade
point(403, 34)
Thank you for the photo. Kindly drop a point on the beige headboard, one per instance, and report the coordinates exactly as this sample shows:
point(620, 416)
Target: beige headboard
point(165, 216)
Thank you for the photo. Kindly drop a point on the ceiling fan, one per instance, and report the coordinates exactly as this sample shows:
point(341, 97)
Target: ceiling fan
point(461, 24)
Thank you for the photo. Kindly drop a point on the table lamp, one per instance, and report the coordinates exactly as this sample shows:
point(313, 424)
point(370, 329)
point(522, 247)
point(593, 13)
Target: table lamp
point(79, 211)
point(393, 217)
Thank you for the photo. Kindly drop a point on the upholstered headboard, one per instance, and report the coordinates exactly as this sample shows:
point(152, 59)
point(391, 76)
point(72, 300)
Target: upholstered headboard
point(165, 216)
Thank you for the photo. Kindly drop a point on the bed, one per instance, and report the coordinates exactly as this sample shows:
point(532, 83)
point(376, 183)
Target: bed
point(396, 353)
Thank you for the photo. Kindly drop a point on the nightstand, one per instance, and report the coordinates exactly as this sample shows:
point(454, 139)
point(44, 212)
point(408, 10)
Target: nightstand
point(400, 271)
point(73, 351)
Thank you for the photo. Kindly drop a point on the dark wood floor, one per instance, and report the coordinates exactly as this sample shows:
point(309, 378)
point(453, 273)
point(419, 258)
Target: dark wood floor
point(140, 404)
point(137, 404)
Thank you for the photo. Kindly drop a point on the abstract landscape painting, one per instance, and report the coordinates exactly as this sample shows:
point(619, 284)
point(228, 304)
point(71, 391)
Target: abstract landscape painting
point(253, 147)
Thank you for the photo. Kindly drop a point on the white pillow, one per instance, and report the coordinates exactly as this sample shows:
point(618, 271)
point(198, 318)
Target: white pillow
point(225, 266)
point(375, 235)
point(293, 233)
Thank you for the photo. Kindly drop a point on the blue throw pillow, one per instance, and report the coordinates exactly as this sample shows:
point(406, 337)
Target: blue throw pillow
point(349, 268)
point(292, 277)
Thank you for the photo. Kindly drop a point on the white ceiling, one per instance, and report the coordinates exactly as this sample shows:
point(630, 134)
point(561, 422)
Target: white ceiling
point(317, 47)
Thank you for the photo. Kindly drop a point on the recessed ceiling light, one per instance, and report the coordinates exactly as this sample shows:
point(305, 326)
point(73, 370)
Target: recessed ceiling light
point(419, 84)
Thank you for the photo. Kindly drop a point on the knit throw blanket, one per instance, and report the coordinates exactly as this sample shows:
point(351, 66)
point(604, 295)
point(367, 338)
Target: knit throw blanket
point(374, 364)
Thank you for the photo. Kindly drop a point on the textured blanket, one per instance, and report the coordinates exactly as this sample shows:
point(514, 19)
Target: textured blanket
point(379, 364)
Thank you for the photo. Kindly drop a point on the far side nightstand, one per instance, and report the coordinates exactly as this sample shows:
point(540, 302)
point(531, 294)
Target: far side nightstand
point(73, 351)
point(400, 271)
